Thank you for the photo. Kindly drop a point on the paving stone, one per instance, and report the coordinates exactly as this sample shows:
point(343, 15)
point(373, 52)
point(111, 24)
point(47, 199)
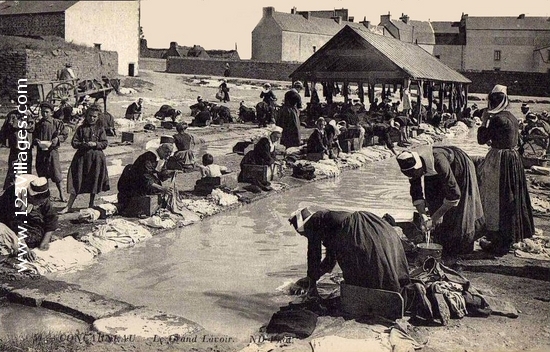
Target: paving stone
point(67, 299)
point(147, 323)
point(84, 305)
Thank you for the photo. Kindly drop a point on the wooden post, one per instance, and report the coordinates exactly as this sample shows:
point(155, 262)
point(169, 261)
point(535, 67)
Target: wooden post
point(345, 91)
point(430, 98)
point(419, 103)
point(450, 105)
point(371, 93)
point(361, 92)
point(465, 96)
point(441, 97)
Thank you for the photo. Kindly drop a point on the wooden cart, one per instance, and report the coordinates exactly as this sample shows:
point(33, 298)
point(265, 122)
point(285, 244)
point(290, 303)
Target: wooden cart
point(73, 91)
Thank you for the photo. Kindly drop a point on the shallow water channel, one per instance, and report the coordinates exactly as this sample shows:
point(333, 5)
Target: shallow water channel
point(223, 272)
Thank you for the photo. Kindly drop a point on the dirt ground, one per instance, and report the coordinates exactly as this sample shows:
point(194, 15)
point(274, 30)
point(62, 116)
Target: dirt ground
point(525, 283)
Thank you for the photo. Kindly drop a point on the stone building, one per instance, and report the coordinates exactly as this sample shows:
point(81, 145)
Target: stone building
point(420, 33)
point(295, 36)
point(511, 44)
point(106, 25)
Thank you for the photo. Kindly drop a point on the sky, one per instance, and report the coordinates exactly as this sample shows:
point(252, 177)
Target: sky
point(224, 24)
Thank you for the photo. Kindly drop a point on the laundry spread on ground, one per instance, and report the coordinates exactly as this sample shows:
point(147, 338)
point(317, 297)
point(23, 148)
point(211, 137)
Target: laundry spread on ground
point(63, 255)
point(117, 233)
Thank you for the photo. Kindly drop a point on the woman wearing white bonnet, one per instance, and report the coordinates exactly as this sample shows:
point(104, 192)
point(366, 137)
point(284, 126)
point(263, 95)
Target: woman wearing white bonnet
point(503, 186)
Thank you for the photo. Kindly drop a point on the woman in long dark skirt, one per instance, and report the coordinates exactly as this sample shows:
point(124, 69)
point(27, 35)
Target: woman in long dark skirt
point(450, 193)
point(366, 247)
point(88, 170)
point(503, 185)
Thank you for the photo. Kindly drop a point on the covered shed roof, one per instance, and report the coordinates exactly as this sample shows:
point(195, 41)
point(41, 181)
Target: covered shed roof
point(358, 55)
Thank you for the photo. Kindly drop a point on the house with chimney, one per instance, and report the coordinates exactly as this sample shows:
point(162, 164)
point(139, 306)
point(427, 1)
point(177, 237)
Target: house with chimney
point(195, 51)
point(512, 44)
point(105, 25)
point(295, 36)
point(416, 32)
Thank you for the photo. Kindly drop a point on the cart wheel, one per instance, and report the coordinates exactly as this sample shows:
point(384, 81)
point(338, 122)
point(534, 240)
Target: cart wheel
point(63, 90)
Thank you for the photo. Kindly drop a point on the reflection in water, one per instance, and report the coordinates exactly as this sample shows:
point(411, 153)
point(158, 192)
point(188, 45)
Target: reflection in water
point(222, 273)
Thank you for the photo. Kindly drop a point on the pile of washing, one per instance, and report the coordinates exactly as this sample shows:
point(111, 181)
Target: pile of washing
point(327, 167)
point(69, 253)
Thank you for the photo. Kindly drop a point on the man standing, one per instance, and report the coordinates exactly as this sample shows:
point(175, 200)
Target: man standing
point(48, 135)
point(66, 73)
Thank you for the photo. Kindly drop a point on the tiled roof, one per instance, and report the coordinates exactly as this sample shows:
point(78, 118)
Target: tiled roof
point(507, 23)
point(384, 56)
point(316, 25)
point(30, 7)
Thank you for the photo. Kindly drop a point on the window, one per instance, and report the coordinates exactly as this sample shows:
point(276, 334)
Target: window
point(97, 46)
point(314, 48)
point(497, 69)
point(497, 55)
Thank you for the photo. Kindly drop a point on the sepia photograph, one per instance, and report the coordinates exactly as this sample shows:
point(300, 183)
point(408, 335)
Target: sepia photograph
point(274, 175)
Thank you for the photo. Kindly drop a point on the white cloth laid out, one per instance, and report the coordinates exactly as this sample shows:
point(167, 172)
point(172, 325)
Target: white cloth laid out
point(110, 199)
point(158, 222)
point(222, 198)
point(117, 233)
point(62, 255)
point(201, 206)
point(92, 214)
point(88, 214)
point(536, 247)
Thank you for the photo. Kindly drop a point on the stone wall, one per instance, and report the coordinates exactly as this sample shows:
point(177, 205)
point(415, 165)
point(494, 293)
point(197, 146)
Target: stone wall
point(13, 66)
point(518, 83)
point(152, 64)
point(277, 71)
point(43, 66)
point(87, 64)
point(43, 24)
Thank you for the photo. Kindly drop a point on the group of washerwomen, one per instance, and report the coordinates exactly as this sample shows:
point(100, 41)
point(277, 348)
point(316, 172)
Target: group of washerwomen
point(87, 173)
point(465, 200)
point(367, 248)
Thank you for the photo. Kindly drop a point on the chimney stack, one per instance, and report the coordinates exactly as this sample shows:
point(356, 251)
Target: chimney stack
point(521, 17)
point(268, 11)
point(404, 18)
point(173, 45)
point(385, 18)
point(293, 10)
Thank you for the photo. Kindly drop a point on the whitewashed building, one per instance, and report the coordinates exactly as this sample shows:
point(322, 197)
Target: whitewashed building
point(106, 25)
